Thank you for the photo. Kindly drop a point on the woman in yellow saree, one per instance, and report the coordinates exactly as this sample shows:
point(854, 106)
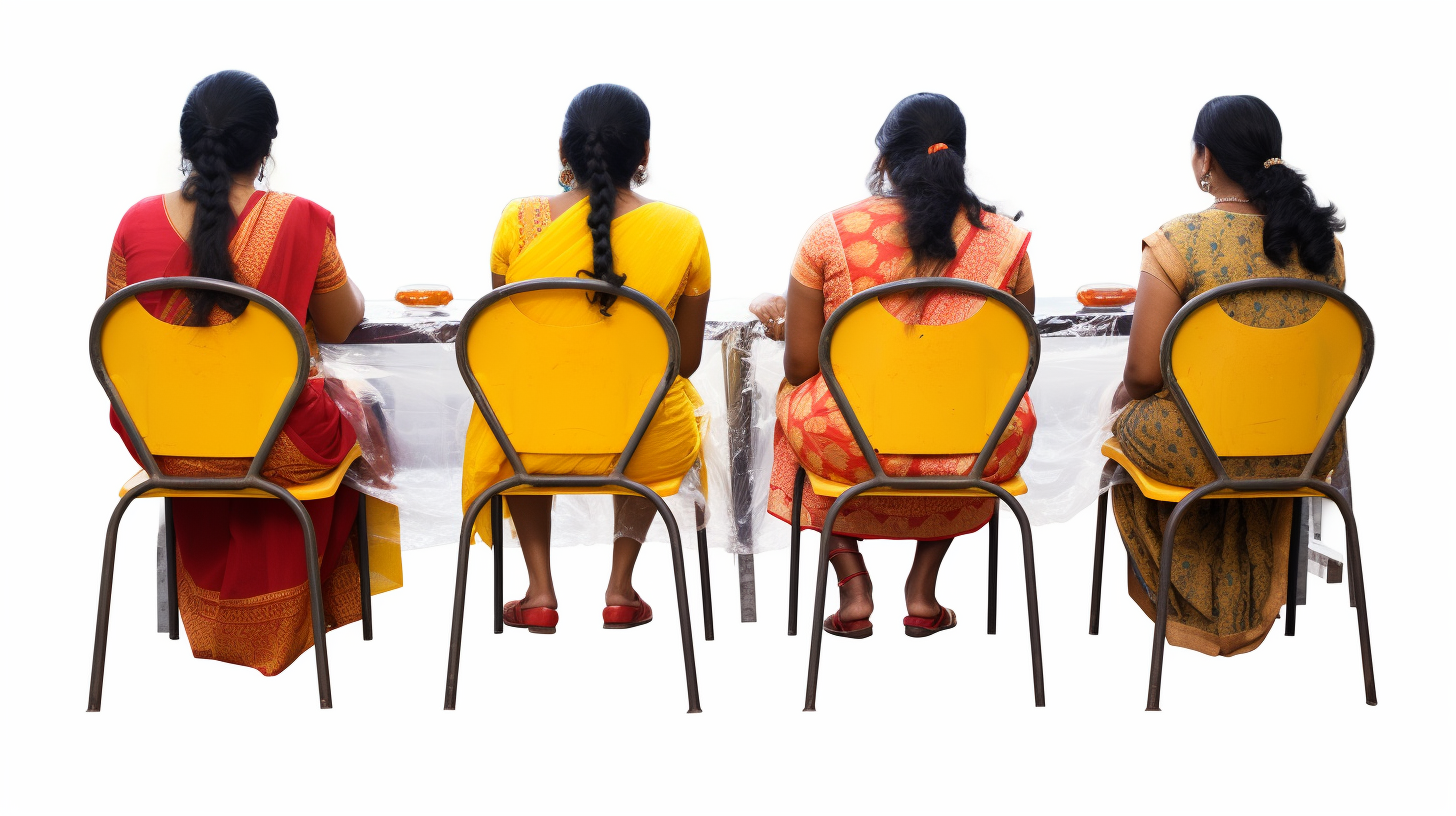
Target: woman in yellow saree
point(599, 227)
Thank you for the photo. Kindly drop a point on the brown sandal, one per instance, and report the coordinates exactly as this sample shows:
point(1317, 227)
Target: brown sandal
point(839, 627)
point(925, 627)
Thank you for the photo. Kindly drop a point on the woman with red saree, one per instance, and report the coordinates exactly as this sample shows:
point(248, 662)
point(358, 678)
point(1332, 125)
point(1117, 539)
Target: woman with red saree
point(926, 222)
point(242, 590)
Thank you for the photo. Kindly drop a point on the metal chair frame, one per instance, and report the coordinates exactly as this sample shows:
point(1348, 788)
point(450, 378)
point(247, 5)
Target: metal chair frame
point(1222, 481)
point(521, 477)
point(156, 480)
point(794, 557)
point(936, 483)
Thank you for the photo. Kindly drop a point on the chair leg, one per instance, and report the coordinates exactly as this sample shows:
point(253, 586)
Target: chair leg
point(684, 616)
point(821, 585)
point(315, 599)
point(1033, 613)
point(174, 625)
point(498, 556)
point(1160, 626)
point(457, 619)
point(1357, 588)
point(991, 569)
point(704, 577)
point(794, 530)
point(1095, 620)
point(361, 535)
point(1291, 596)
point(103, 604)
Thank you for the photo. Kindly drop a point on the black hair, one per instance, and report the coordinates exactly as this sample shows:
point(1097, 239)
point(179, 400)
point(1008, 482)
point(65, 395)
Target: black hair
point(603, 139)
point(228, 125)
point(1243, 134)
point(931, 187)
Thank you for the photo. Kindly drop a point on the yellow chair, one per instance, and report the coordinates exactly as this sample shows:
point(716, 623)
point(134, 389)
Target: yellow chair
point(927, 390)
point(218, 391)
point(531, 382)
point(1247, 391)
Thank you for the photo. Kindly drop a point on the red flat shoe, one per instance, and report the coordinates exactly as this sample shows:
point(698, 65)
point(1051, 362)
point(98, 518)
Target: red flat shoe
point(849, 629)
point(539, 620)
point(626, 617)
point(925, 627)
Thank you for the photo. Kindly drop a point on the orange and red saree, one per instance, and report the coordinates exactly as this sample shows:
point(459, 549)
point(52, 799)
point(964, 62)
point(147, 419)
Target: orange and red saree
point(241, 585)
point(848, 251)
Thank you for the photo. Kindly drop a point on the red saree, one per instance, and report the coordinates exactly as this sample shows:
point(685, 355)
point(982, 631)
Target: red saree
point(846, 252)
point(242, 589)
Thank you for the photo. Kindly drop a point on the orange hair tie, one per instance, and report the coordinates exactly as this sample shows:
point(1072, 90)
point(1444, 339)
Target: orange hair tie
point(937, 147)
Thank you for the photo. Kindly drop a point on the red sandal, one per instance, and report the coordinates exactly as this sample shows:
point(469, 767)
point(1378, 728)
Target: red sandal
point(839, 627)
point(925, 627)
point(540, 620)
point(626, 617)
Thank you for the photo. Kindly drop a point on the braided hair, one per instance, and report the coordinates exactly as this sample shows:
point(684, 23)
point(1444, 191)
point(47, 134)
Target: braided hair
point(1244, 136)
point(603, 140)
point(228, 125)
point(930, 186)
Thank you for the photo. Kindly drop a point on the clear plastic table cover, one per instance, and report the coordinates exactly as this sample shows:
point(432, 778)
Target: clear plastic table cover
point(397, 382)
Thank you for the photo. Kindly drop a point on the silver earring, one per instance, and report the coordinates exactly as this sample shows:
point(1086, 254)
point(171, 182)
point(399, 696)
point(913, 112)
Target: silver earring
point(261, 168)
point(566, 178)
point(1204, 184)
point(639, 178)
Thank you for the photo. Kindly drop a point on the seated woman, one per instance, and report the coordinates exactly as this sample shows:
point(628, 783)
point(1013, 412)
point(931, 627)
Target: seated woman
point(1264, 222)
point(242, 588)
point(926, 222)
point(599, 227)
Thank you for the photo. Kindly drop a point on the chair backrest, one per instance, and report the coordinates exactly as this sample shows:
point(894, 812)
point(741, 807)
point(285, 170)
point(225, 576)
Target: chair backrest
point(208, 391)
point(1248, 391)
point(922, 389)
point(581, 389)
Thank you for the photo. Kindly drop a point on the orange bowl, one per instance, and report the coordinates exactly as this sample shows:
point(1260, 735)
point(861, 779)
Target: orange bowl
point(424, 295)
point(1106, 295)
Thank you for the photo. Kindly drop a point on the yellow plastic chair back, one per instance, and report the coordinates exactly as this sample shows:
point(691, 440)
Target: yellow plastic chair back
point(929, 389)
point(211, 391)
point(1266, 392)
point(559, 389)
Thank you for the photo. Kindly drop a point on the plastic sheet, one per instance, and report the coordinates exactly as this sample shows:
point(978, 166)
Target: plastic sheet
point(1072, 394)
point(397, 383)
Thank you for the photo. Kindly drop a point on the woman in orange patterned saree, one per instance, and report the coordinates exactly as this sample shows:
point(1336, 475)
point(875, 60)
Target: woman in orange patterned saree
point(928, 223)
point(242, 590)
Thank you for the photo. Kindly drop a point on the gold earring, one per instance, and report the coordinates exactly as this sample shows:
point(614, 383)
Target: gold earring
point(566, 178)
point(639, 178)
point(1203, 183)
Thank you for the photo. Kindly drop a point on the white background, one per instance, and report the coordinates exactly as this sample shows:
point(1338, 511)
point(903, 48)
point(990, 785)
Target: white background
point(415, 123)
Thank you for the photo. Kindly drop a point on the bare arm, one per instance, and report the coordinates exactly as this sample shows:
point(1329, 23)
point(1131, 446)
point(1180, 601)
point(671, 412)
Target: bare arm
point(1156, 305)
point(804, 325)
point(336, 313)
point(497, 281)
point(1028, 299)
point(690, 318)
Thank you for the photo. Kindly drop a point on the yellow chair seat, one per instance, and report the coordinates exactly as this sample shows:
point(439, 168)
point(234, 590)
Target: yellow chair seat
point(665, 488)
point(320, 488)
point(1162, 491)
point(1016, 486)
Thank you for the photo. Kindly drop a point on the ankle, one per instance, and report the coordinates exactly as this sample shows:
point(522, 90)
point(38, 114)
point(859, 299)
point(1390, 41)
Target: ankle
point(618, 596)
point(922, 607)
point(538, 598)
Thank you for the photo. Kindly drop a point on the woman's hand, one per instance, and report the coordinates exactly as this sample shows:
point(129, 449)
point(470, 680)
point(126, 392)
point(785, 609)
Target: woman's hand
point(771, 309)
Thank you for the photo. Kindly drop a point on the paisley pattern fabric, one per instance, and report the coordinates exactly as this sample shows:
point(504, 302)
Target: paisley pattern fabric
point(846, 252)
point(1230, 557)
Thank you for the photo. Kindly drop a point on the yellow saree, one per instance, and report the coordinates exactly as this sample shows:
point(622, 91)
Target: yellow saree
point(662, 251)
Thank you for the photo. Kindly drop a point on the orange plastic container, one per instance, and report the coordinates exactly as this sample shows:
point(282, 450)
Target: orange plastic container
point(1106, 295)
point(424, 295)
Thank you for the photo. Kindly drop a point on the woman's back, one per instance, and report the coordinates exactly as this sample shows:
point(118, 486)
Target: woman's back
point(659, 248)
